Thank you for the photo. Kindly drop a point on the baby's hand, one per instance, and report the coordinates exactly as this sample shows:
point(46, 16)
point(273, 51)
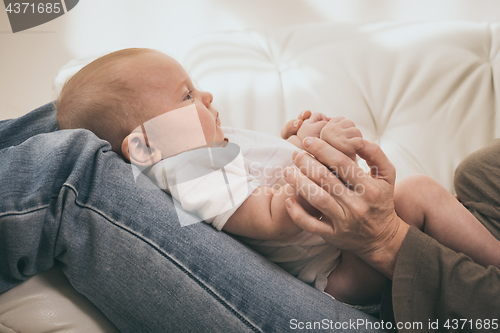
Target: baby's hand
point(343, 135)
point(293, 125)
point(312, 127)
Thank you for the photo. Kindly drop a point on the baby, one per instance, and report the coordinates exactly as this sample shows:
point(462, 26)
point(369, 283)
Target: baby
point(118, 94)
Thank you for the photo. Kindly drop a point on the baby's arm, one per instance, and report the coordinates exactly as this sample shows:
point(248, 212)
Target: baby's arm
point(263, 215)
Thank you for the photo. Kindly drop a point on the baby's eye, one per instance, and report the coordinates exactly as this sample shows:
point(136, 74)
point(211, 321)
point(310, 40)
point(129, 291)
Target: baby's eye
point(188, 96)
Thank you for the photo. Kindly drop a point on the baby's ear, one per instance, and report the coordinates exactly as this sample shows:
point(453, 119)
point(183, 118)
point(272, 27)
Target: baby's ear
point(135, 149)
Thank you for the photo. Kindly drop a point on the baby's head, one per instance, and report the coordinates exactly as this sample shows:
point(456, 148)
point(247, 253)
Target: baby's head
point(115, 94)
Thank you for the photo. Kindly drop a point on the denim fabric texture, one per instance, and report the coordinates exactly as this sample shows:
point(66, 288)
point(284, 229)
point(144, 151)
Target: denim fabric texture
point(68, 200)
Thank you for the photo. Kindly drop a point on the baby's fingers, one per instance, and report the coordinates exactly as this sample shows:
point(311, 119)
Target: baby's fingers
point(291, 128)
point(337, 119)
point(357, 144)
point(346, 123)
point(352, 132)
point(305, 115)
point(317, 116)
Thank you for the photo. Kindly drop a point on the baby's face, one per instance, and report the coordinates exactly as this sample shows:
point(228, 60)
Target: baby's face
point(167, 87)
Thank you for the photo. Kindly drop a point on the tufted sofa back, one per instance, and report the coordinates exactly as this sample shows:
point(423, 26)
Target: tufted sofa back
point(428, 93)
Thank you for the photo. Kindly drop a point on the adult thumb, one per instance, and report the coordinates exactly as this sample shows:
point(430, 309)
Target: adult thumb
point(380, 166)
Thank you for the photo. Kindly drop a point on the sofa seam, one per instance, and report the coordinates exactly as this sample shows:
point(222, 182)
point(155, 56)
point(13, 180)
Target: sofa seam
point(191, 275)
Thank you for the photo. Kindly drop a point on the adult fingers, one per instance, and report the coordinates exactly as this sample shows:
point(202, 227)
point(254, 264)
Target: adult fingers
point(380, 166)
point(336, 161)
point(314, 193)
point(315, 171)
point(305, 221)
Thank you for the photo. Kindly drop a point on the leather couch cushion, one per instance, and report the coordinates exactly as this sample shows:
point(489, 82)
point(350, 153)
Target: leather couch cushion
point(48, 303)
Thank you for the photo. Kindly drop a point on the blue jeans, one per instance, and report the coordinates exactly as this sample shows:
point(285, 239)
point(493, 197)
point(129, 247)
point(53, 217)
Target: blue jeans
point(66, 199)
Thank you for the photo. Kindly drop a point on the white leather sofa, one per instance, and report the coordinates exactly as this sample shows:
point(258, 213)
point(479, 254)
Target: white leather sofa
point(428, 93)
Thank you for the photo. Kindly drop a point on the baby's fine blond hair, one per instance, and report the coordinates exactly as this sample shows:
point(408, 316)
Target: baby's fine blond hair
point(102, 99)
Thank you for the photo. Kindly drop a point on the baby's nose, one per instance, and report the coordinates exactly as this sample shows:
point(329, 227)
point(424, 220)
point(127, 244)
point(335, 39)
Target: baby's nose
point(207, 98)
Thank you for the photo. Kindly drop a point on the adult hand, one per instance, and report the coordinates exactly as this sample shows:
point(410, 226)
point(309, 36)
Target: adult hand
point(359, 217)
point(293, 125)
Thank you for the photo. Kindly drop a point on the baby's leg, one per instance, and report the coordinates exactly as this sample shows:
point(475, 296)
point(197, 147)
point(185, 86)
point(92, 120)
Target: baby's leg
point(353, 281)
point(424, 203)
